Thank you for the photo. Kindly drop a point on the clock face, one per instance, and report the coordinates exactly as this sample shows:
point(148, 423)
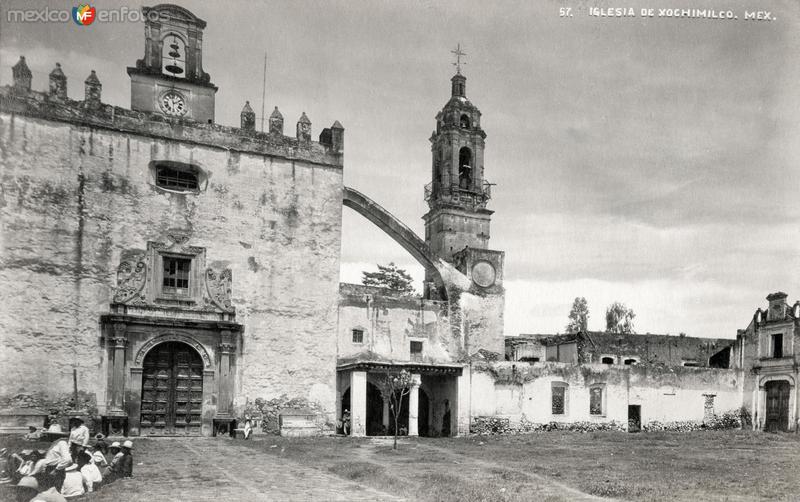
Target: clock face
point(173, 103)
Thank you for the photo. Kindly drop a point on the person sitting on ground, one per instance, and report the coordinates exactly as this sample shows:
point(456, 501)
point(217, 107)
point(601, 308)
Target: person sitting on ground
point(126, 462)
point(73, 482)
point(100, 443)
point(27, 490)
point(110, 473)
point(78, 438)
point(99, 459)
point(91, 474)
point(57, 456)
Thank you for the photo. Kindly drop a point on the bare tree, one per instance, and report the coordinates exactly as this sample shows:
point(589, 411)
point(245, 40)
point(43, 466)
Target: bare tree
point(393, 387)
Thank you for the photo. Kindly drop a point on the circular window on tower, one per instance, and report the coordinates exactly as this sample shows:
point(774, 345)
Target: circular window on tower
point(173, 103)
point(483, 274)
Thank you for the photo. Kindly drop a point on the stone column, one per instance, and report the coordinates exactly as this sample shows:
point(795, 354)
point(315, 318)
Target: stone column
point(413, 406)
point(226, 353)
point(462, 404)
point(135, 402)
point(117, 393)
point(209, 400)
point(385, 415)
point(358, 402)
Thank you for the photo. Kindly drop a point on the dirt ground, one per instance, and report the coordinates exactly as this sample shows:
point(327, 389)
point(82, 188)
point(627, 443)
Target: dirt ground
point(551, 467)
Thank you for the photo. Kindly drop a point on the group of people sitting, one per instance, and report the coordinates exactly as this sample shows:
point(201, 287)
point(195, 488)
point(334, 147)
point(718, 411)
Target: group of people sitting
point(69, 468)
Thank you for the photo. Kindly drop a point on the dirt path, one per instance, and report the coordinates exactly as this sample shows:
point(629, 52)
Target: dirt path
point(214, 470)
point(538, 487)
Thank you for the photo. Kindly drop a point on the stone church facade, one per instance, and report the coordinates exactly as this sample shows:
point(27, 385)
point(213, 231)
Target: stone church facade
point(180, 269)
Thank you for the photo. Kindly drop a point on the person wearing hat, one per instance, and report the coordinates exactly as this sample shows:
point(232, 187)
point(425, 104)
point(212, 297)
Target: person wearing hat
point(73, 482)
point(57, 456)
point(26, 489)
point(78, 437)
point(91, 474)
point(126, 462)
point(110, 472)
point(100, 443)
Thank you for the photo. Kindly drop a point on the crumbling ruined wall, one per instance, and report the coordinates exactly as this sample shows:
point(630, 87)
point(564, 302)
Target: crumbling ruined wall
point(75, 197)
point(522, 391)
point(389, 322)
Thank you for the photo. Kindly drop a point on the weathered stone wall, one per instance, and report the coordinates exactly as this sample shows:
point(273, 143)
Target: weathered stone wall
point(515, 390)
point(75, 198)
point(390, 323)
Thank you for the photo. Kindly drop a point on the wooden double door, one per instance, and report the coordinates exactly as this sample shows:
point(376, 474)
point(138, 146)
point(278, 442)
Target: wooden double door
point(172, 390)
point(777, 413)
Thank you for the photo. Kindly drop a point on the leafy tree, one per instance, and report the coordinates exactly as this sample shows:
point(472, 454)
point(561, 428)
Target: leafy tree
point(619, 319)
point(578, 315)
point(393, 387)
point(391, 277)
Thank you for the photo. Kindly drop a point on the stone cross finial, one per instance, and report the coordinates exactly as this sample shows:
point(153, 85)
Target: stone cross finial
point(22, 76)
point(58, 83)
point(276, 122)
point(92, 90)
point(304, 129)
point(248, 117)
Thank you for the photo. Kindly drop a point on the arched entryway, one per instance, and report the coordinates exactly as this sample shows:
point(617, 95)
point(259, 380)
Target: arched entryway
point(172, 390)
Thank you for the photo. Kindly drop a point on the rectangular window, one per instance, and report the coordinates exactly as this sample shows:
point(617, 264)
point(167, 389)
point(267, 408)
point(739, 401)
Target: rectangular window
point(358, 336)
point(558, 400)
point(176, 276)
point(416, 348)
point(777, 345)
point(596, 401)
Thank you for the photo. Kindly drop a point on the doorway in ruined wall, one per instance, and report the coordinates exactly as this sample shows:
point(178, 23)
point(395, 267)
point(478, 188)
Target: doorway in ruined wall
point(634, 418)
point(777, 409)
point(172, 390)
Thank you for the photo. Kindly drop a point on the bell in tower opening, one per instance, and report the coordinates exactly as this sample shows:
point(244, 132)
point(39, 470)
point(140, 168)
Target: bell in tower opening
point(169, 79)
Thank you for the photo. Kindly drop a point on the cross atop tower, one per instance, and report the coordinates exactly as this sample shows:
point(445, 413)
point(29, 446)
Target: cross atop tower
point(458, 53)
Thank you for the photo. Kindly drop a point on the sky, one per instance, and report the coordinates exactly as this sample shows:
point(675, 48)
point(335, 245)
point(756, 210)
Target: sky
point(652, 161)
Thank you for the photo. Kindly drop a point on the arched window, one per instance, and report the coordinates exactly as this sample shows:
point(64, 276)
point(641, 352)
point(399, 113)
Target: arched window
point(464, 123)
point(628, 362)
point(465, 168)
point(173, 56)
point(607, 360)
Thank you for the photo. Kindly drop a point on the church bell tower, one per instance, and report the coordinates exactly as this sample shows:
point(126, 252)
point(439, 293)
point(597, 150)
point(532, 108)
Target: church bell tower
point(457, 223)
point(170, 79)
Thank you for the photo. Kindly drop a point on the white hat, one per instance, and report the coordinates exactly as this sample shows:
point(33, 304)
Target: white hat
point(115, 444)
point(29, 482)
point(71, 467)
point(128, 444)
